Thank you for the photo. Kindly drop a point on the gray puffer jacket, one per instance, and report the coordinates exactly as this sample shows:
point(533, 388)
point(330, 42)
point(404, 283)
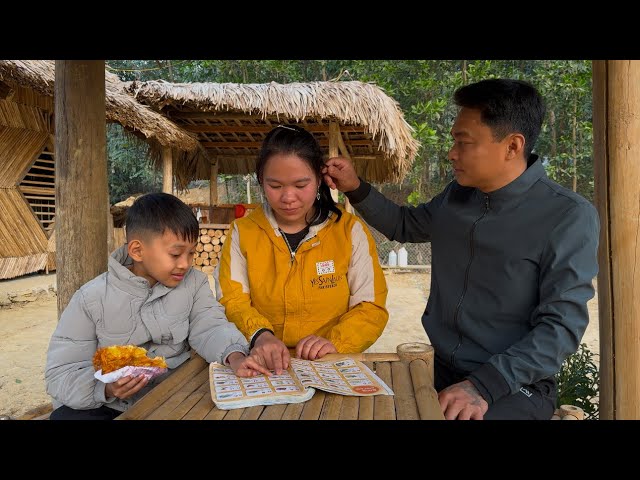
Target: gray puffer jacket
point(120, 308)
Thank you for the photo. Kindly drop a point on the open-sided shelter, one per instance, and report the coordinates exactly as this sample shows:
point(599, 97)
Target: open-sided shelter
point(355, 119)
point(27, 157)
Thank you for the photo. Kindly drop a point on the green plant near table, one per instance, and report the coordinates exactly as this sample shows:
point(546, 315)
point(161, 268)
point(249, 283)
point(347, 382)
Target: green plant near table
point(578, 382)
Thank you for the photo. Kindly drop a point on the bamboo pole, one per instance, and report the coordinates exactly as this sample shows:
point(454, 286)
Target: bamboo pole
point(167, 170)
point(618, 194)
point(334, 133)
point(345, 153)
point(81, 183)
point(213, 184)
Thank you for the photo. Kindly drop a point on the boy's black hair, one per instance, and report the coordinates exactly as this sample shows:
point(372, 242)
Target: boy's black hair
point(295, 140)
point(506, 106)
point(154, 213)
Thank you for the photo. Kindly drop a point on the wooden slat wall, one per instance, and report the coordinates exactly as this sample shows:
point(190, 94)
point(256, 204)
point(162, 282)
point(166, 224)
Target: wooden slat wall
point(51, 249)
point(11, 267)
point(17, 115)
point(18, 150)
point(38, 187)
point(20, 232)
point(27, 96)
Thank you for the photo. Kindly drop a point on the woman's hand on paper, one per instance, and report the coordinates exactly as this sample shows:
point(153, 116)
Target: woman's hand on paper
point(274, 352)
point(250, 366)
point(313, 347)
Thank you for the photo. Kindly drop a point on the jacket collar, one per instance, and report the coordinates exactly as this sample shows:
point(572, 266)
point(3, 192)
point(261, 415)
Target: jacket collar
point(128, 281)
point(273, 224)
point(514, 190)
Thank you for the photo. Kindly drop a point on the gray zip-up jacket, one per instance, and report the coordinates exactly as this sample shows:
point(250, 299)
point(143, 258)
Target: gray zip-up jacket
point(512, 272)
point(120, 308)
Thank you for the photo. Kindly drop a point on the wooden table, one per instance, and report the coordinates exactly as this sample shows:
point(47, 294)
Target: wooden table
point(185, 395)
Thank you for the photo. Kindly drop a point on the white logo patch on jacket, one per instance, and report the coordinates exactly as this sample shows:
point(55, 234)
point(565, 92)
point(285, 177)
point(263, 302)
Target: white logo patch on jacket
point(325, 267)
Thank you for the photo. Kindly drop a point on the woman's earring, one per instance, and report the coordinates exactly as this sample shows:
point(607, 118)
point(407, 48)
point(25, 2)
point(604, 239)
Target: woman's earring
point(318, 195)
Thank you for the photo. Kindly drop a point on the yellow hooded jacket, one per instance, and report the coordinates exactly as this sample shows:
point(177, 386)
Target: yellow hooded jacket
point(332, 287)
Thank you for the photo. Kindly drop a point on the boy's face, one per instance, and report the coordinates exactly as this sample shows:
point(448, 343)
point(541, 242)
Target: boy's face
point(165, 259)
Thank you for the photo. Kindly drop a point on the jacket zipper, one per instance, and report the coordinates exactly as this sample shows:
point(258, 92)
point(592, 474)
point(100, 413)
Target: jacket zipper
point(291, 251)
point(466, 281)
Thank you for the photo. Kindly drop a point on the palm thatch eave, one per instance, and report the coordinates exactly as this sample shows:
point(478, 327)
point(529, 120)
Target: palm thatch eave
point(353, 103)
point(120, 106)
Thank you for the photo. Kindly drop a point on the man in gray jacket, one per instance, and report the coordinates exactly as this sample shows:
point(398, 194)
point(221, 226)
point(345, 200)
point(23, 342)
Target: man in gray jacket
point(149, 297)
point(513, 258)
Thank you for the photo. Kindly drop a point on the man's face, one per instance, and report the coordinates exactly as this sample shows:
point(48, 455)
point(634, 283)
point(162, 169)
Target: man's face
point(478, 160)
point(166, 259)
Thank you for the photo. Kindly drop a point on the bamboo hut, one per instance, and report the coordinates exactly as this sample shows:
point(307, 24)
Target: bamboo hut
point(354, 119)
point(28, 163)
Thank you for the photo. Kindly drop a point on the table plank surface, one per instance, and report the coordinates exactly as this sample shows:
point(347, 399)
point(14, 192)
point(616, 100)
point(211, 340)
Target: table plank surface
point(186, 395)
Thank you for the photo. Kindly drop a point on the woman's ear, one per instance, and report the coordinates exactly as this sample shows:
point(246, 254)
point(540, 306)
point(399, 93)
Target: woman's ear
point(135, 248)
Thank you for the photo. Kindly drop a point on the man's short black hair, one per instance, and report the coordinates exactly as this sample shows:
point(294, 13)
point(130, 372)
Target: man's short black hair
point(154, 213)
point(506, 106)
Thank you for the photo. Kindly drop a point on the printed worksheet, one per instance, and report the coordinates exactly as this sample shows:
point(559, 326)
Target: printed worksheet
point(297, 384)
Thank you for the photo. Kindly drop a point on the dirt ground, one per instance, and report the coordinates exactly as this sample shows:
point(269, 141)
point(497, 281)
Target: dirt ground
point(25, 332)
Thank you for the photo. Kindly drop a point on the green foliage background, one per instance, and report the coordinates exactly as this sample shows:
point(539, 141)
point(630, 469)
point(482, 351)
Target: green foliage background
point(423, 88)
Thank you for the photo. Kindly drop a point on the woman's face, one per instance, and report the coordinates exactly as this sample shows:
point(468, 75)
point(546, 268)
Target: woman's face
point(290, 186)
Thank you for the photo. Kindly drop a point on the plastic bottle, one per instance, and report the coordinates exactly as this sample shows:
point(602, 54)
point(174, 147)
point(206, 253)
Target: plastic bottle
point(393, 259)
point(402, 257)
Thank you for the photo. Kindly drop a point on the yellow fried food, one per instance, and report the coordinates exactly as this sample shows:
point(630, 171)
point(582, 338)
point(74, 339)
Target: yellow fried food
point(114, 357)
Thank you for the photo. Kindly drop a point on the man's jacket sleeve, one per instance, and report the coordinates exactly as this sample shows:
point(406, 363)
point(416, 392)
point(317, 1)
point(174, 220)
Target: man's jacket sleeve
point(402, 224)
point(232, 288)
point(568, 264)
point(367, 316)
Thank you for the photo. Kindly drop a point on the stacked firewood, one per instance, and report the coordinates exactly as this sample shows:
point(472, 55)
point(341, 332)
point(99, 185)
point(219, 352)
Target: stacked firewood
point(209, 248)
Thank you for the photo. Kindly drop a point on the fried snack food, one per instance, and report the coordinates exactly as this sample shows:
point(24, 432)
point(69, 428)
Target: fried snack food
point(115, 357)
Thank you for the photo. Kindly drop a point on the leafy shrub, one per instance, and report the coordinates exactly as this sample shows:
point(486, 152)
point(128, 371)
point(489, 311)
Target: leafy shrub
point(578, 381)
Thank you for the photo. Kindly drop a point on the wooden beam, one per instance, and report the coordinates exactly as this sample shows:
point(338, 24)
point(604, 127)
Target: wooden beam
point(167, 170)
point(243, 157)
point(81, 183)
point(257, 145)
point(213, 185)
point(601, 177)
point(261, 128)
point(224, 116)
point(619, 199)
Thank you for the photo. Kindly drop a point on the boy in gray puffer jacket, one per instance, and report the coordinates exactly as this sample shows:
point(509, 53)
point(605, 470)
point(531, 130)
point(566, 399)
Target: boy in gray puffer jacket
point(149, 297)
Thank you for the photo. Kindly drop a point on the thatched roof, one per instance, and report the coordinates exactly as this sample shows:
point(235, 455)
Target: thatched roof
point(121, 107)
point(231, 120)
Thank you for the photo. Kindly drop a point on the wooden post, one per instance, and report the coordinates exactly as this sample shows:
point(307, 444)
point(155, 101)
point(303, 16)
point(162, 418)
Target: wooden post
point(616, 99)
point(345, 153)
point(213, 187)
point(601, 197)
point(334, 133)
point(167, 170)
point(81, 174)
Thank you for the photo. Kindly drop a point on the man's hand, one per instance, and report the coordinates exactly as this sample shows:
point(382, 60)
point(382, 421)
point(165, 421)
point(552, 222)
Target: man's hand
point(249, 366)
point(313, 347)
point(125, 387)
point(338, 172)
point(274, 352)
point(462, 401)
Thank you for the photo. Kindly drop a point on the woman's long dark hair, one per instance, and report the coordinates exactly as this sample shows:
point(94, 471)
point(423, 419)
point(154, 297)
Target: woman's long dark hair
point(295, 140)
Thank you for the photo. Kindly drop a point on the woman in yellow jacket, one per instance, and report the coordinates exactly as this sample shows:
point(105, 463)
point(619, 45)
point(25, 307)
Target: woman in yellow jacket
point(300, 272)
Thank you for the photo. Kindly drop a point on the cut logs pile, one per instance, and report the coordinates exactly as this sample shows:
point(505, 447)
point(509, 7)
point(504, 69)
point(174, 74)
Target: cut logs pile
point(209, 247)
